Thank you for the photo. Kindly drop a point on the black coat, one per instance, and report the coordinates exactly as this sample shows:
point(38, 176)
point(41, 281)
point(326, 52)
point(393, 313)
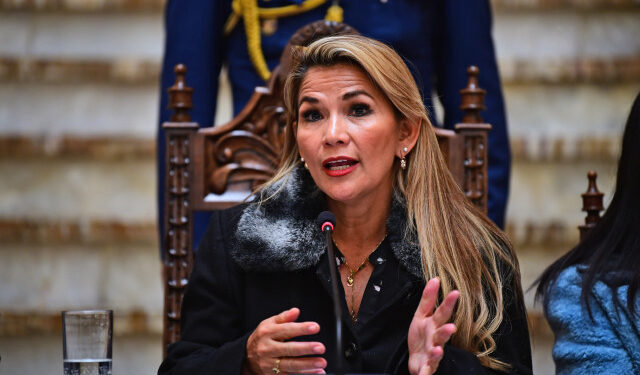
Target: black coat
point(257, 261)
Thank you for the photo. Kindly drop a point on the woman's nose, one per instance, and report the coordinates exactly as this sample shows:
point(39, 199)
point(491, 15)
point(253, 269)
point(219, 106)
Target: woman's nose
point(336, 131)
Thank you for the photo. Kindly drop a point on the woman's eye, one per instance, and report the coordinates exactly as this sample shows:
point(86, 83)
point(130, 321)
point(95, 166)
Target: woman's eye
point(360, 110)
point(311, 115)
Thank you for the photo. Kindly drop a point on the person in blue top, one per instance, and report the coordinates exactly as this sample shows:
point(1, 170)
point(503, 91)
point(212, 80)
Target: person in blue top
point(591, 293)
point(439, 39)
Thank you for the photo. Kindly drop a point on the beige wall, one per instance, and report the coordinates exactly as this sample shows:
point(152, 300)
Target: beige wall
point(78, 112)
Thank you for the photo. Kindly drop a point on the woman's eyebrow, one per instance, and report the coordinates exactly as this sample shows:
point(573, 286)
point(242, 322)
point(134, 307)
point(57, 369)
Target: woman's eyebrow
point(308, 99)
point(352, 94)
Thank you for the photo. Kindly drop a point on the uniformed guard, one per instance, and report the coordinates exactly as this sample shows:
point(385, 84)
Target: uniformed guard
point(439, 39)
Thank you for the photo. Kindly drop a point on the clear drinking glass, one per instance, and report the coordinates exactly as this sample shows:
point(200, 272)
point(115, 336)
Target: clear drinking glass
point(86, 340)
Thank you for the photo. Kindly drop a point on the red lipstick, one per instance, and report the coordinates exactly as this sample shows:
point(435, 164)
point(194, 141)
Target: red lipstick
point(339, 165)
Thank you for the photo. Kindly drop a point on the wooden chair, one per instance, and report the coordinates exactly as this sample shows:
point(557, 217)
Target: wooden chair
point(591, 204)
point(216, 167)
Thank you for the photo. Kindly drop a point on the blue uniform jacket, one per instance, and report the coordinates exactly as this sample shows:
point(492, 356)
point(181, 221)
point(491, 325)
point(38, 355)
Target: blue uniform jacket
point(439, 39)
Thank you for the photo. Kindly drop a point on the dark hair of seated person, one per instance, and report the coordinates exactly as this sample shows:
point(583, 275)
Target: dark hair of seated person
point(612, 248)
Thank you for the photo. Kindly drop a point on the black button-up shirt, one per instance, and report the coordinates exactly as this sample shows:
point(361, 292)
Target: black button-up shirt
point(389, 301)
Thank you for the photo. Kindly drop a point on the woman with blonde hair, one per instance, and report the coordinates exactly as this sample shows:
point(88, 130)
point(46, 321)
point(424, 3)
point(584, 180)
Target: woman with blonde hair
point(359, 143)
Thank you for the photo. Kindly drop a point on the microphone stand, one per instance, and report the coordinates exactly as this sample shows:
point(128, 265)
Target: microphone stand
point(326, 220)
point(336, 298)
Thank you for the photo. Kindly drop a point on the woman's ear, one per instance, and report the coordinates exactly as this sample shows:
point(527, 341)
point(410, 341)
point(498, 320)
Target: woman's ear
point(294, 127)
point(409, 132)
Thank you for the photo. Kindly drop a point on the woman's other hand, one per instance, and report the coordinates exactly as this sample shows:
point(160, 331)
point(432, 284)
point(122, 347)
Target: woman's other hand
point(429, 330)
point(268, 350)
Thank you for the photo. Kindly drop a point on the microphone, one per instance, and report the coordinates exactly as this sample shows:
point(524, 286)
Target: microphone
point(327, 221)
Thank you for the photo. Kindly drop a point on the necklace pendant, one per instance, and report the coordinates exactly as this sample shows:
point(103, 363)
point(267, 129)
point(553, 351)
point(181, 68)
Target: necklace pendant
point(350, 280)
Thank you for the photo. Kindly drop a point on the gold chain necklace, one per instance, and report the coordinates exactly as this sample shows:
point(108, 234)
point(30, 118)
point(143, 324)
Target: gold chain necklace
point(352, 274)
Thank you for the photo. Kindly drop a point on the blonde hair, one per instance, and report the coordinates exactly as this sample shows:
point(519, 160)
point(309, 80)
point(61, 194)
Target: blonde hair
point(458, 243)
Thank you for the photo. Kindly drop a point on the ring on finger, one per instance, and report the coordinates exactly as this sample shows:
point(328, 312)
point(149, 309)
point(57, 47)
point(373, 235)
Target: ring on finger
point(276, 368)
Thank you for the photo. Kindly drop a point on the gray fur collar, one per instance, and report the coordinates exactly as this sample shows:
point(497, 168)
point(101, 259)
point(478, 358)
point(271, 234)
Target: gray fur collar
point(281, 234)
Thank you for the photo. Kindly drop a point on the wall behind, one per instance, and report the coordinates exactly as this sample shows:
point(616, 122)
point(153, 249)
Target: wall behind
point(78, 113)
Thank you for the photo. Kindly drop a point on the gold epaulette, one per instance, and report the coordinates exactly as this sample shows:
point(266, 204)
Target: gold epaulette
point(251, 15)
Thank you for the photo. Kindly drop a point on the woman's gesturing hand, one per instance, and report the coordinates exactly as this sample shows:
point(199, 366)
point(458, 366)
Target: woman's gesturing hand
point(268, 353)
point(429, 330)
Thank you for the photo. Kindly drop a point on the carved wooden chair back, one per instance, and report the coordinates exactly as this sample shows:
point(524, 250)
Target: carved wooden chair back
point(591, 204)
point(217, 167)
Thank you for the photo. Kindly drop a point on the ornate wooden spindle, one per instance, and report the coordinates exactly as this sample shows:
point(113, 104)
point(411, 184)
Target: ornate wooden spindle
point(178, 254)
point(472, 98)
point(474, 133)
point(180, 96)
point(591, 204)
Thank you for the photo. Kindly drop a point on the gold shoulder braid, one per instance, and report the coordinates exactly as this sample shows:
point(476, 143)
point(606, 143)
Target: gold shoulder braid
point(251, 15)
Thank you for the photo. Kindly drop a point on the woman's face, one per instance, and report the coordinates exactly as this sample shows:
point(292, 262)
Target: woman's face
point(347, 133)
